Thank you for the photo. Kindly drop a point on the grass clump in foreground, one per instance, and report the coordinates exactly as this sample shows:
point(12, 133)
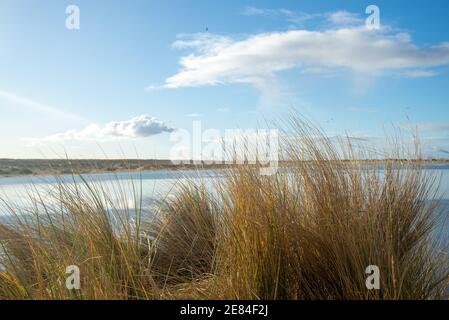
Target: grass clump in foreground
point(308, 232)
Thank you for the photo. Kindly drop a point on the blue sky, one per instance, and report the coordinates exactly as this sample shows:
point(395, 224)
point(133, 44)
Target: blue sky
point(136, 71)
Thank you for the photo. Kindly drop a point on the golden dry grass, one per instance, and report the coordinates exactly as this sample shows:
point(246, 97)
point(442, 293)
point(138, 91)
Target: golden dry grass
point(305, 233)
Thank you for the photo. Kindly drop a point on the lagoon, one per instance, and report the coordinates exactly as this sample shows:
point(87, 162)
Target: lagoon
point(152, 184)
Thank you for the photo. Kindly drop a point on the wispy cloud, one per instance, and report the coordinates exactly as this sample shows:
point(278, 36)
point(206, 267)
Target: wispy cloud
point(337, 18)
point(433, 127)
point(39, 107)
point(435, 146)
point(420, 74)
point(441, 150)
point(194, 115)
point(343, 17)
point(254, 11)
point(138, 127)
point(216, 59)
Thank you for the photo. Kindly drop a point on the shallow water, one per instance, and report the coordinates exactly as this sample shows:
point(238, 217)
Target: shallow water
point(150, 184)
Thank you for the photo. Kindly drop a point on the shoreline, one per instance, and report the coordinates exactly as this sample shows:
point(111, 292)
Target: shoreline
point(22, 168)
point(11, 168)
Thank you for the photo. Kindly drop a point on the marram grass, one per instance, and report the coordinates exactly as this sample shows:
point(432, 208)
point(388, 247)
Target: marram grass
point(307, 232)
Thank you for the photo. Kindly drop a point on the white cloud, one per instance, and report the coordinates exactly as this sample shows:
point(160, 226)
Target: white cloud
point(343, 17)
point(216, 60)
point(138, 127)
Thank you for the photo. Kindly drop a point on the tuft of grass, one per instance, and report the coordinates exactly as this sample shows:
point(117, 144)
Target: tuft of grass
point(185, 233)
point(307, 232)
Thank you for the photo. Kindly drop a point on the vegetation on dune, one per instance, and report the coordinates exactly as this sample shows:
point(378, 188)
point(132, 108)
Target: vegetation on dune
point(306, 234)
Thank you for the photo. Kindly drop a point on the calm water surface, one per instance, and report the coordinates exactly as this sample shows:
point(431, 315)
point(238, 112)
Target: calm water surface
point(151, 184)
